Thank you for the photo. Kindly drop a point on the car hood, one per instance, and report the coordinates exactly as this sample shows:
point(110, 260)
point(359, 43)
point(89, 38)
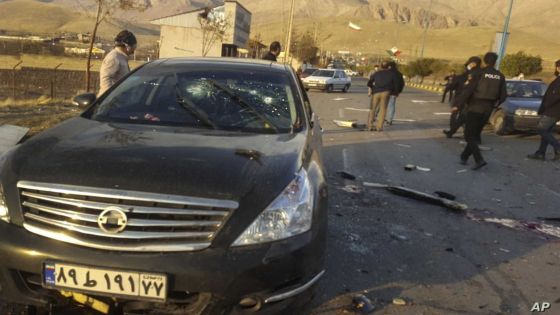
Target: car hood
point(170, 160)
point(511, 104)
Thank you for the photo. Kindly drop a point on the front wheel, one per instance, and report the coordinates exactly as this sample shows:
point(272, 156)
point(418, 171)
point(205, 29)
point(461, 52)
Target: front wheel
point(499, 124)
point(346, 88)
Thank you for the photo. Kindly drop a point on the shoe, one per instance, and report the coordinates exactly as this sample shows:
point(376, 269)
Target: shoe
point(536, 156)
point(479, 165)
point(448, 134)
point(463, 161)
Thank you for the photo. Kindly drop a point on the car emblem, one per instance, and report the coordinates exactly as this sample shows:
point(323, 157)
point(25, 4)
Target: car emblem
point(112, 220)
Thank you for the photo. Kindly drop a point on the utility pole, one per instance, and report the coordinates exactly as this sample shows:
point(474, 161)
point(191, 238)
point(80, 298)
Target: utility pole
point(290, 25)
point(504, 36)
point(426, 23)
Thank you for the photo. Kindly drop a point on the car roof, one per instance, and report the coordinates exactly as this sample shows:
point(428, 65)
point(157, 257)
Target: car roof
point(255, 64)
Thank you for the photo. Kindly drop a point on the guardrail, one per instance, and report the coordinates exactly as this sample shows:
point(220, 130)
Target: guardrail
point(437, 89)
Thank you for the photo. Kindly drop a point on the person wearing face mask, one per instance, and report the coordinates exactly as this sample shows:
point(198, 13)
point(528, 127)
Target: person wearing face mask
point(457, 119)
point(550, 115)
point(115, 64)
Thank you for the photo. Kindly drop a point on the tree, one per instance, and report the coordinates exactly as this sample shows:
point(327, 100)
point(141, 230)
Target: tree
point(214, 25)
point(104, 9)
point(520, 62)
point(422, 67)
point(305, 48)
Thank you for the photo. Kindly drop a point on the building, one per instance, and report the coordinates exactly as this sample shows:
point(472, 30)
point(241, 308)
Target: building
point(209, 32)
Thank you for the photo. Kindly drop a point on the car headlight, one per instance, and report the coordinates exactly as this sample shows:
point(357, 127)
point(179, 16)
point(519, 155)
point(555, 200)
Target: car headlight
point(526, 112)
point(4, 216)
point(290, 214)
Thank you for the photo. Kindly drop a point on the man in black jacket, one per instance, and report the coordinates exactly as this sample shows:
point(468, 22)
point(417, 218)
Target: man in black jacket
point(382, 84)
point(483, 92)
point(399, 82)
point(457, 119)
point(273, 52)
point(550, 115)
point(449, 86)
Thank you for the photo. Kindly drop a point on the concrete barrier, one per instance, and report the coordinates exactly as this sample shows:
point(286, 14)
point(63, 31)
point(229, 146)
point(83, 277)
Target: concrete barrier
point(430, 88)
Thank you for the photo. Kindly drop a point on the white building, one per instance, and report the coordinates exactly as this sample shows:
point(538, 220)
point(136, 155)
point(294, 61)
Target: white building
point(182, 35)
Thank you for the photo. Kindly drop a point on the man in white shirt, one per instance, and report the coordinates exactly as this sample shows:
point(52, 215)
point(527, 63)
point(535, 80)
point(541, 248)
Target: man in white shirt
point(115, 64)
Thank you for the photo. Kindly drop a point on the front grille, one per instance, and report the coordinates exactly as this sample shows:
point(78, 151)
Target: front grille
point(153, 222)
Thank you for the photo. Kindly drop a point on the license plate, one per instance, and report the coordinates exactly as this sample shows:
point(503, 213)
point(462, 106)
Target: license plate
point(141, 285)
point(312, 84)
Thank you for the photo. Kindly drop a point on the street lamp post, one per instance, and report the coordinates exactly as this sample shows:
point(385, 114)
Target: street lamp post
point(426, 23)
point(504, 36)
point(289, 43)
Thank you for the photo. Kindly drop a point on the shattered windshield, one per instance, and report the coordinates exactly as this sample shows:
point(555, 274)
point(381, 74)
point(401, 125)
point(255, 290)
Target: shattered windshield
point(262, 102)
point(525, 89)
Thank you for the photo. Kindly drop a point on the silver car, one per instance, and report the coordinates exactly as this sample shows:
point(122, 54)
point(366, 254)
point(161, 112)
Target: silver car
point(328, 80)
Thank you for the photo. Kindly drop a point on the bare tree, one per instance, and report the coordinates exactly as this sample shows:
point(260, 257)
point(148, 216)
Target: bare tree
point(214, 25)
point(104, 10)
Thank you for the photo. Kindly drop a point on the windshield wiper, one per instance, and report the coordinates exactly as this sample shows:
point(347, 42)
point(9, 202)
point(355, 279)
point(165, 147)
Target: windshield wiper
point(191, 108)
point(243, 103)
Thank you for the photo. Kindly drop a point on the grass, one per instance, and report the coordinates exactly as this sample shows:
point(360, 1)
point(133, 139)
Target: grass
point(45, 61)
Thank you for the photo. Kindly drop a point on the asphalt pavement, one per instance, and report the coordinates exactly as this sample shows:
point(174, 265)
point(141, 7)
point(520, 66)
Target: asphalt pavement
point(495, 258)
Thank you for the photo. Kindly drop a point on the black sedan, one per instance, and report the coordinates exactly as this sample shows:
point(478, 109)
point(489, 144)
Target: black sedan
point(520, 110)
point(193, 186)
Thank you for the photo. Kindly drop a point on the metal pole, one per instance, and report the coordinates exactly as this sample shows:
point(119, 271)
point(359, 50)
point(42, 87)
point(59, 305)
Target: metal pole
point(53, 81)
point(14, 79)
point(426, 29)
point(504, 36)
point(287, 55)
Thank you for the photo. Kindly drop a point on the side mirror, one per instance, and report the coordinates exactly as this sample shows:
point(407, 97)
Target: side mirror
point(84, 100)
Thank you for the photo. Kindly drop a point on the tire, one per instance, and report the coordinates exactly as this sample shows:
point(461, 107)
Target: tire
point(345, 88)
point(499, 124)
point(329, 88)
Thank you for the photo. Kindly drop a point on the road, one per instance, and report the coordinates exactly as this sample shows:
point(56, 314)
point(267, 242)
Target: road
point(439, 261)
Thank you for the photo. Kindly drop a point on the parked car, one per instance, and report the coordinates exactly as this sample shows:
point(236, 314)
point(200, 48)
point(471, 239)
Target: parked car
point(520, 110)
point(328, 80)
point(193, 186)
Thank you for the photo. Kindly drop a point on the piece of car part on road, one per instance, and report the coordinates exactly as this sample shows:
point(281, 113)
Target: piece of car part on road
point(360, 303)
point(399, 301)
point(445, 195)
point(352, 189)
point(344, 123)
point(346, 175)
point(411, 167)
point(418, 195)
point(87, 301)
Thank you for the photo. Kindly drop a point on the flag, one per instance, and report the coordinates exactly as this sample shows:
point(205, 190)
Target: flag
point(393, 52)
point(354, 26)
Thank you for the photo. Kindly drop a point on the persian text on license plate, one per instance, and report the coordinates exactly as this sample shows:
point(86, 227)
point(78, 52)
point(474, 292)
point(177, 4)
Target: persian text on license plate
point(107, 282)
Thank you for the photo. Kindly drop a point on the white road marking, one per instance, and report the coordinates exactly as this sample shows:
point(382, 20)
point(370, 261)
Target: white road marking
point(550, 190)
point(357, 109)
point(341, 113)
point(423, 102)
point(403, 145)
point(404, 120)
point(443, 114)
point(341, 99)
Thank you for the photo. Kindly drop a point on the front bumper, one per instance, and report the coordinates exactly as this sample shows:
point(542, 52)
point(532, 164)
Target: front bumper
point(274, 274)
point(315, 85)
point(525, 123)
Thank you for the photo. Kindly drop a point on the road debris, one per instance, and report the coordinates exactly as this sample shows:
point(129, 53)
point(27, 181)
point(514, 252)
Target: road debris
point(443, 114)
point(360, 303)
point(349, 124)
point(346, 175)
point(504, 250)
point(403, 145)
point(462, 171)
point(352, 189)
point(358, 109)
point(418, 195)
point(546, 229)
point(399, 301)
point(449, 249)
point(445, 195)
point(411, 167)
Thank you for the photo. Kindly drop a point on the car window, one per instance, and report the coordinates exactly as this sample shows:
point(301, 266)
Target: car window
point(309, 71)
point(324, 73)
point(230, 100)
point(525, 89)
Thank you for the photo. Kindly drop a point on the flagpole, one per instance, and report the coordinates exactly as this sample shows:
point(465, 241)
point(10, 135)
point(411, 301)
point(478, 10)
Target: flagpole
point(426, 24)
point(287, 55)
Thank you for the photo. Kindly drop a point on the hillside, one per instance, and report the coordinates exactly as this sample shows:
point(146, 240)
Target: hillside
point(458, 28)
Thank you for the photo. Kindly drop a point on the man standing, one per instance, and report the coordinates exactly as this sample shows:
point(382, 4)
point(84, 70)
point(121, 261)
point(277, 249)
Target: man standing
point(115, 64)
point(483, 92)
point(399, 81)
point(382, 84)
point(457, 118)
point(448, 86)
point(273, 52)
point(550, 115)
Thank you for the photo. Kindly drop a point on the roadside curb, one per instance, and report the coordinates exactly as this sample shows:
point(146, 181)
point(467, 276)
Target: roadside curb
point(425, 87)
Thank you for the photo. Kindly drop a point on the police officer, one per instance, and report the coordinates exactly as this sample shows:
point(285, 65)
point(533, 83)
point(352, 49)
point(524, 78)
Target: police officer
point(485, 90)
point(457, 119)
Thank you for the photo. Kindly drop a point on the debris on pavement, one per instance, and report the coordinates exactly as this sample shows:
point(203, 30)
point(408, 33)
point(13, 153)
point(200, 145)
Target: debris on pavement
point(346, 175)
point(449, 249)
point(349, 124)
point(362, 304)
point(403, 145)
point(445, 195)
point(399, 301)
point(504, 250)
point(418, 195)
point(411, 167)
point(546, 229)
point(462, 171)
point(352, 189)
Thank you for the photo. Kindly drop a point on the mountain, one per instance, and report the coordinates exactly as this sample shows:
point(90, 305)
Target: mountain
point(457, 28)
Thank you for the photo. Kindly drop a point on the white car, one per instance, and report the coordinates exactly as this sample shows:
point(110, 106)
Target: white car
point(328, 80)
